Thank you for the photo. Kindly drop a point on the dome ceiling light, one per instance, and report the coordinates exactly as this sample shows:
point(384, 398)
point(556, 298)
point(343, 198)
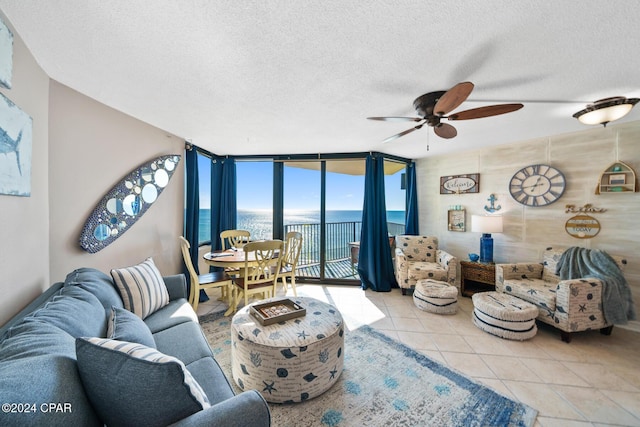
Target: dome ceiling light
point(606, 110)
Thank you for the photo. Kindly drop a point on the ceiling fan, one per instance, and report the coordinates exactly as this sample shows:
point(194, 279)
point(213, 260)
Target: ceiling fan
point(432, 107)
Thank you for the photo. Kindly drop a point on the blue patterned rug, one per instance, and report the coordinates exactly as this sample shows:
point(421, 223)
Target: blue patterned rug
point(385, 383)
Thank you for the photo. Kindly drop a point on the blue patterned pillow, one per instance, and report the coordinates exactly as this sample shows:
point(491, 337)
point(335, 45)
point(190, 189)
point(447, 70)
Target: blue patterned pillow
point(123, 325)
point(141, 287)
point(131, 384)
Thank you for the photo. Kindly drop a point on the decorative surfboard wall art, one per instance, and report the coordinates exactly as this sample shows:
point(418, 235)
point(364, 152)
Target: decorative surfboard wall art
point(126, 202)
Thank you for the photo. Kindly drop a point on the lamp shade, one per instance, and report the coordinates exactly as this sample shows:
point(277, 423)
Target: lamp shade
point(606, 110)
point(486, 223)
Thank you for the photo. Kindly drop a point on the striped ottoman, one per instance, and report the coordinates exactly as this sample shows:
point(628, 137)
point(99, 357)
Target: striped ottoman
point(435, 296)
point(504, 315)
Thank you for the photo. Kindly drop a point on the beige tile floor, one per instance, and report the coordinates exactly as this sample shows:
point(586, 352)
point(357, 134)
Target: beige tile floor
point(593, 381)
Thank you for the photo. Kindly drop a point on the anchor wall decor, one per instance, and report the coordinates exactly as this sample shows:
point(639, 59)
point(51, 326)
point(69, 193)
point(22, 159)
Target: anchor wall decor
point(492, 208)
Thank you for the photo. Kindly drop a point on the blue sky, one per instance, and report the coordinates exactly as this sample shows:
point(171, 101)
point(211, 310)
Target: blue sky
point(302, 188)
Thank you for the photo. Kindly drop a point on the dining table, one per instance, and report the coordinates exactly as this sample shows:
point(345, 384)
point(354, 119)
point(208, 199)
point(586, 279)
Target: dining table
point(228, 258)
point(231, 260)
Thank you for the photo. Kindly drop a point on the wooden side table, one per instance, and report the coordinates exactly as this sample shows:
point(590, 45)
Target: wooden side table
point(477, 277)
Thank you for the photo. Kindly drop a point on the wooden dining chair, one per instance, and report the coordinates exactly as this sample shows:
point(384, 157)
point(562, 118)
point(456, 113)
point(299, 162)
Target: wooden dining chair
point(292, 249)
point(218, 279)
point(260, 273)
point(234, 238)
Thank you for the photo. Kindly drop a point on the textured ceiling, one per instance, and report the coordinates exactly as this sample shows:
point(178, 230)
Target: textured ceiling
point(280, 77)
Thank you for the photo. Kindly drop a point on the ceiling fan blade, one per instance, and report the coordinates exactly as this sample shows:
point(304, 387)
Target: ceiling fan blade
point(488, 111)
point(403, 133)
point(453, 98)
point(396, 119)
point(444, 130)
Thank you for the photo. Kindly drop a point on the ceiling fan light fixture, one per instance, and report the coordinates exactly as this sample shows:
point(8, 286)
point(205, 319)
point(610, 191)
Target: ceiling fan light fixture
point(606, 110)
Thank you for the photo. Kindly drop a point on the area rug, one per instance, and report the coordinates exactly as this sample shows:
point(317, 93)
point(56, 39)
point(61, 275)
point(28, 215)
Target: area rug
point(385, 383)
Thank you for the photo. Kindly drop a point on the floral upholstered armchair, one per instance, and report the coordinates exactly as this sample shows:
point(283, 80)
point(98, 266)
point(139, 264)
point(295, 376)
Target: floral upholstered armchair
point(418, 257)
point(572, 305)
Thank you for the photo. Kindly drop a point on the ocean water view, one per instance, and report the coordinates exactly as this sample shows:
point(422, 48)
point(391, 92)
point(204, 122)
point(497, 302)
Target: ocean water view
point(343, 228)
point(260, 222)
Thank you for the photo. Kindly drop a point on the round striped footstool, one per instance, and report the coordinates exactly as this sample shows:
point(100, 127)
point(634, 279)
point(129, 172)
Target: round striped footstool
point(504, 315)
point(435, 296)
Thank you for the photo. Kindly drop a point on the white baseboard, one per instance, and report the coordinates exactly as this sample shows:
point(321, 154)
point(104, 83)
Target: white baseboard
point(634, 326)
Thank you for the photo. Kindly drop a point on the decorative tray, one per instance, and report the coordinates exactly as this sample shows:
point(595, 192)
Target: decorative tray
point(276, 311)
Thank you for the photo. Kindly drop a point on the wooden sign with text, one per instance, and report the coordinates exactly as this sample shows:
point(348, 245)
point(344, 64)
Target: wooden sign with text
point(460, 184)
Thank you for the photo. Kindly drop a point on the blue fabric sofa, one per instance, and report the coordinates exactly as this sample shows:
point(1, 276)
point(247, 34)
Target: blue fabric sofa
point(40, 380)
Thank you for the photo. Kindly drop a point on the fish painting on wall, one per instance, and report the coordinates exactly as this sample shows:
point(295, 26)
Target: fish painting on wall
point(16, 129)
point(6, 55)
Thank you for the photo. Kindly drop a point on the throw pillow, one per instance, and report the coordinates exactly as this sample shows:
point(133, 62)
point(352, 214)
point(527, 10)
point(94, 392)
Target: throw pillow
point(141, 287)
point(124, 325)
point(131, 384)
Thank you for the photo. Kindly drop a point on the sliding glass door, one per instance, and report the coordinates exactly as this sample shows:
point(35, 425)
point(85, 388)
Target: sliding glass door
point(254, 197)
point(344, 199)
point(302, 203)
point(322, 199)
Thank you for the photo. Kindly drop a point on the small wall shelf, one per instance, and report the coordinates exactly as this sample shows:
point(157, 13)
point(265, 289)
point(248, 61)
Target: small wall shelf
point(617, 178)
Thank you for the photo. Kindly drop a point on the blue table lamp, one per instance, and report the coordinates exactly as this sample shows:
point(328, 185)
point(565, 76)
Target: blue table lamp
point(486, 224)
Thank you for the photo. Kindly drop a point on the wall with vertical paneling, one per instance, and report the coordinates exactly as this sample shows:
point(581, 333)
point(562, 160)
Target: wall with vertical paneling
point(581, 156)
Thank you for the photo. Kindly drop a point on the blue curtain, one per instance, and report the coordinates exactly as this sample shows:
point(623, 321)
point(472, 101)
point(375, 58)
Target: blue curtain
point(223, 198)
point(374, 263)
point(411, 220)
point(192, 211)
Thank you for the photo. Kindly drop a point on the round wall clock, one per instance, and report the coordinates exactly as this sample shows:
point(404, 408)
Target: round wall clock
point(537, 185)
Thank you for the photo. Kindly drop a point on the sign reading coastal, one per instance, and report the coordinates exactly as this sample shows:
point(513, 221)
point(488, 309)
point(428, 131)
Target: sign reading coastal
point(459, 184)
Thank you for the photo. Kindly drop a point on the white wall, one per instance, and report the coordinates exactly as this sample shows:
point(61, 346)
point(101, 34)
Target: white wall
point(24, 221)
point(91, 148)
point(81, 148)
point(581, 156)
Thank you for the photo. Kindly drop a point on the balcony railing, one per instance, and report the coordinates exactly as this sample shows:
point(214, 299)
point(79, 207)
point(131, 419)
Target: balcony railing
point(338, 236)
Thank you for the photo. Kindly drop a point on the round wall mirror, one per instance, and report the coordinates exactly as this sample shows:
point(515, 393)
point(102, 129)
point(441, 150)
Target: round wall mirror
point(114, 205)
point(161, 178)
point(149, 193)
point(131, 205)
point(147, 174)
point(101, 232)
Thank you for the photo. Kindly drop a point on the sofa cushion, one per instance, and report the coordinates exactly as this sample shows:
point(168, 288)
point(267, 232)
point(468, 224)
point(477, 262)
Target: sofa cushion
point(31, 339)
point(176, 312)
point(74, 310)
point(131, 384)
point(171, 342)
point(98, 283)
point(141, 287)
point(426, 270)
point(123, 325)
point(213, 381)
point(536, 291)
point(38, 366)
